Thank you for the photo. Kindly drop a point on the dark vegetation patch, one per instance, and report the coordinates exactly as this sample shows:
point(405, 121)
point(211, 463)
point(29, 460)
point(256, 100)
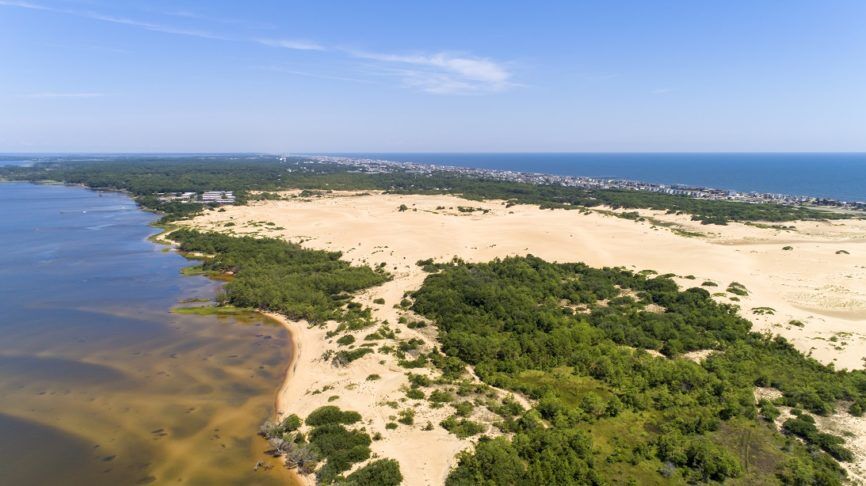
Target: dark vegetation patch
point(277, 275)
point(329, 449)
point(608, 410)
point(330, 414)
point(382, 472)
point(462, 427)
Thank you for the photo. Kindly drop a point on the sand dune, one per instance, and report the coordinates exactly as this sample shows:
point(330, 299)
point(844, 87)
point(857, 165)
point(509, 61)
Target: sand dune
point(813, 294)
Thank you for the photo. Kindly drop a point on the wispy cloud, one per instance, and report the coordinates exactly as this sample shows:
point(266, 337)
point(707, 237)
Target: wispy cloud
point(308, 74)
point(662, 91)
point(28, 5)
point(437, 73)
point(155, 27)
point(52, 94)
point(300, 45)
point(444, 73)
point(152, 26)
point(188, 14)
point(86, 47)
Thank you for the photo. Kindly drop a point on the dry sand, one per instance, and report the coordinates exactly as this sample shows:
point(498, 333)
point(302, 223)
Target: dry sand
point(813, 284)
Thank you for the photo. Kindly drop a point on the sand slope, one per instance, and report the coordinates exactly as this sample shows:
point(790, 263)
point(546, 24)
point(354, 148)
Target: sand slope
point(811, 283)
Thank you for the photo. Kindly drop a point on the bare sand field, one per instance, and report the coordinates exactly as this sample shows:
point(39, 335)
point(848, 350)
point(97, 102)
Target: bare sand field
point(805, 281)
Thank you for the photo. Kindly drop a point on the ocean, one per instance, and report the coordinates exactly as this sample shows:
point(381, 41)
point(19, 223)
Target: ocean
point(840, 176)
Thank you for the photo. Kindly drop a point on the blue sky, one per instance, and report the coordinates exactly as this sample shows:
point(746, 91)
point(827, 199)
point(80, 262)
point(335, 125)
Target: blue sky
point(278, 76)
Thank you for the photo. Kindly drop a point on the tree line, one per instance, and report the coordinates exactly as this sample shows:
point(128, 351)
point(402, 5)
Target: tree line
point(146, 176)
point(276, 275)
point(575, 338)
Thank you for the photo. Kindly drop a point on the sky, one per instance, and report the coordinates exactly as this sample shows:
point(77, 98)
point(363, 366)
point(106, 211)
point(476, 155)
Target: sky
point(443, 76)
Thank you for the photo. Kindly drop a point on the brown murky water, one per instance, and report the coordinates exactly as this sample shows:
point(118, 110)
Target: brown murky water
point(99, 382)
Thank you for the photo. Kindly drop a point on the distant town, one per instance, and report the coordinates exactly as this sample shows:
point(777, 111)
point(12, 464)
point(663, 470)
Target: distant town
point(373, 166)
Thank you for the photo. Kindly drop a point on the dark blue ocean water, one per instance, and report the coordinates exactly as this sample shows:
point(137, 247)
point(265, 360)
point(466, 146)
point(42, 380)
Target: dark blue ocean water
point(837, 176)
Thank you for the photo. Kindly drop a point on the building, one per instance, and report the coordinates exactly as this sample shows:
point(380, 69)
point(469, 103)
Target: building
point(218, 197)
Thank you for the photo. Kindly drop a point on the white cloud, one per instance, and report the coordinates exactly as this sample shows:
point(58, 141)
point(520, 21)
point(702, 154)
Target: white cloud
point(113, 19)
point(188, 14)
point(444, 73)
point(308, 74)
point(31, 6)
point(300, 45)
point(438, 73)
point(151, 26)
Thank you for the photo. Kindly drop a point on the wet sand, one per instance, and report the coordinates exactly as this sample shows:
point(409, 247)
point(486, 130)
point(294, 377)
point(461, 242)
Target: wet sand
point(100, 382)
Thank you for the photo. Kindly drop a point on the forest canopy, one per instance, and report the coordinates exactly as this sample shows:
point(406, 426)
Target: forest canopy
point(276, 275)
point(574, 338)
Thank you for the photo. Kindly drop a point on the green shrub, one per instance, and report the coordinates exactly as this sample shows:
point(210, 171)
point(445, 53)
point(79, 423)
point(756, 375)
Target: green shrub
point(418, 380)
point(737, 288)
point(462, 427)
point(419, 362)
point(441, 396)
point(407, 416)
point(330, 414)
point(342, 358)
point(804, 427)
point(464, 409)
point(382, 472)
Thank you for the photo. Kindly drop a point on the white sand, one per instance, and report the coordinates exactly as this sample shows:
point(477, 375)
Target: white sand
point(813, 284)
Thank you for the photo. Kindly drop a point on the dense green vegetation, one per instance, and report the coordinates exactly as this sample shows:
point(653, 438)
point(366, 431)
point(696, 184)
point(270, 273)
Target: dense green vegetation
point(383, 472)
point(572, 337)
point(331, 442)
point(569, 336)
point(144, 177)
point(276, 275)
point(150, 175)
point(330, 414)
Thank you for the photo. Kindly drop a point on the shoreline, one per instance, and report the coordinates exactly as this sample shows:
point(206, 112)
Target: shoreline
point(380, 232)
point(291, 368)
point(161, 238)
point(371, 229)
point(295, 352)
point(133, 409)
point(694, 191)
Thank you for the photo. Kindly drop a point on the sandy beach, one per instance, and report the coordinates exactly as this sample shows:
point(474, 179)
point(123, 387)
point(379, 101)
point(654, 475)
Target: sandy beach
point(805, 281)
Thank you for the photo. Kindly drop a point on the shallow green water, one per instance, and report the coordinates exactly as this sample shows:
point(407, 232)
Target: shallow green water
point(99, 382)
